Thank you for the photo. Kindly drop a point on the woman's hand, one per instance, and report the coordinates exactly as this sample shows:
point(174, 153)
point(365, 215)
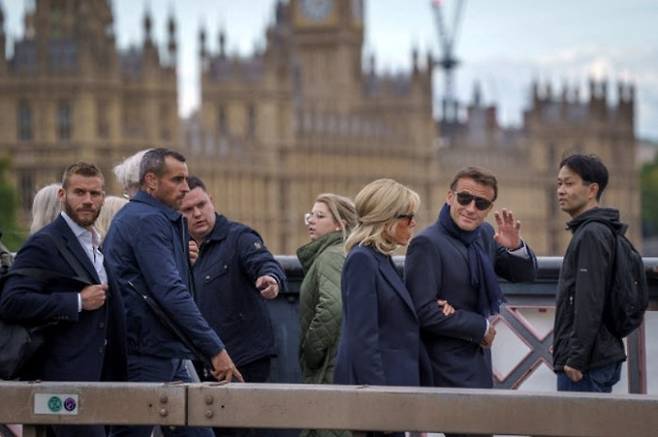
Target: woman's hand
point(445, 307)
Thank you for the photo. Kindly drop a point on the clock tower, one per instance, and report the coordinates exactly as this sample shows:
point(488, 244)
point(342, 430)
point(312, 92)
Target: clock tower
point(328, 40)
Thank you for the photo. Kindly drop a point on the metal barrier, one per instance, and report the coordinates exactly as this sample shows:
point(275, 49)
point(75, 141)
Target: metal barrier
point(331, 407)
point(538, 294)
point(339, 407)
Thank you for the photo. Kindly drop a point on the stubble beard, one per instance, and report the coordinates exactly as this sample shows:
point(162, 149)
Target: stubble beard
point(78, 219)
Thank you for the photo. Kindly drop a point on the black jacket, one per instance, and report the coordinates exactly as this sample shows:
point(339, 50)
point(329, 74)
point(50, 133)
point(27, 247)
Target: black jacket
point(231, 258)
point(581, 339)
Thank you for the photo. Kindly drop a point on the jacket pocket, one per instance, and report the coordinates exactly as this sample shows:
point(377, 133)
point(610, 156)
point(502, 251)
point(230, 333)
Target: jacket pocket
point(219, 270)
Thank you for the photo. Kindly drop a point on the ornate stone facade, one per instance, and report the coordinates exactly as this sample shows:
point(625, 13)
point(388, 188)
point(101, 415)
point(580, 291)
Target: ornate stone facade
point(299, 117)
point(67, 93)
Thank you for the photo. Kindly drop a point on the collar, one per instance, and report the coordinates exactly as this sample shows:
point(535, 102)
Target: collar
point(221, 229)
point(144, 197)
point(81, 232)
point(308, 252)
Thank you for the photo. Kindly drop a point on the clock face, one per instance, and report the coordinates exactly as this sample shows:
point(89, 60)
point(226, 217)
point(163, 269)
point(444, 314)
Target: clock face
point(317, 10)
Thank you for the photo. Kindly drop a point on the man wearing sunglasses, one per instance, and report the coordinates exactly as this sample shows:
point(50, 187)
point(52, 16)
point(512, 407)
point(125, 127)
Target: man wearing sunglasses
point(458, 259)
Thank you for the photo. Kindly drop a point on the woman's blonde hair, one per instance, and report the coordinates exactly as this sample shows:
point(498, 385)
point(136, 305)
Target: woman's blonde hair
point(378, 204)
point(45, 207)
point(342, 211)
point(111, 206)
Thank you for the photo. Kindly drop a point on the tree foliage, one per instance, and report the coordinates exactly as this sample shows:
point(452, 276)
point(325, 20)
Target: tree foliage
point(12, 234)
point(649, 186)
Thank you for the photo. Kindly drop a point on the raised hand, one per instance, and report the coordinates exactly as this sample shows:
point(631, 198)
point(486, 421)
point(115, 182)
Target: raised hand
point(508, 230)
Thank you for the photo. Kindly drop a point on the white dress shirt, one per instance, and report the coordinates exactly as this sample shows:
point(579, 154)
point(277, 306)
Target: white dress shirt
point(90, 241)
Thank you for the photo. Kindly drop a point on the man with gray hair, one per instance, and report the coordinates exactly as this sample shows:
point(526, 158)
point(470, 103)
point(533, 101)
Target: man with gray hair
point(146, 249)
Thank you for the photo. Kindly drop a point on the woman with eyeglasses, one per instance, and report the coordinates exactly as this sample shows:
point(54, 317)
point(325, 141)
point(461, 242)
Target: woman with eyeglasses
point(328, 224)
point(380, 335)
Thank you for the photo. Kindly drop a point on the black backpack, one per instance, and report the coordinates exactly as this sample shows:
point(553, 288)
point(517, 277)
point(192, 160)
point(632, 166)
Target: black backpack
point(628, 296)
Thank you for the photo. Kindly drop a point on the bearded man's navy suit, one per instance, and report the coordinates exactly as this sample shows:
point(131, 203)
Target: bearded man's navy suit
point(82, 345)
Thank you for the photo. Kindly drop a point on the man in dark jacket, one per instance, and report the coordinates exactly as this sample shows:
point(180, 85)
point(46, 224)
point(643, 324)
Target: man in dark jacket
point(147, 247)
point(458, 259)
point(233, 274)
point(586, 356)
point(87, 341)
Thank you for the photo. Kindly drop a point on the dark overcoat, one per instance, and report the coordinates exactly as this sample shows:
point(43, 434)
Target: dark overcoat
point(380, 334)
point(436, 267)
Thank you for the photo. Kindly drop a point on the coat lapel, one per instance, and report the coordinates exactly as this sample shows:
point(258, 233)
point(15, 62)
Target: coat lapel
point(392, 277)
point(73, 245)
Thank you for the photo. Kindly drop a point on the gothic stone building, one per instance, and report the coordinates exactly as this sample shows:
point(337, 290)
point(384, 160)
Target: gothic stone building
point(300, 116)
point(67, 93)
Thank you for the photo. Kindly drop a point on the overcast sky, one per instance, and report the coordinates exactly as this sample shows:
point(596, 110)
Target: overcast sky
point(504, 44)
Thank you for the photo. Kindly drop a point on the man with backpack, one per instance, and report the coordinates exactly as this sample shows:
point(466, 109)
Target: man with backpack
point(587, 349)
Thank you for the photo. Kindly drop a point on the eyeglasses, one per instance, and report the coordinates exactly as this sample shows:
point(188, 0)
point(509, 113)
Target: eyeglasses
point(465, 199)
point(309, 215)
point(408, 217)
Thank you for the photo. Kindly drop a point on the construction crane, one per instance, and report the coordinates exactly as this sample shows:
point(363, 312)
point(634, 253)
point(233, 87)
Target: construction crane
point(448, 62)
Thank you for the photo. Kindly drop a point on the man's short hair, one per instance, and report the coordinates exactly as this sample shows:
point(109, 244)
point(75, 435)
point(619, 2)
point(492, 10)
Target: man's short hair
point(479, 175)
point(154, 162)
point(83, 169)
point(196, 182)
point(590, 168)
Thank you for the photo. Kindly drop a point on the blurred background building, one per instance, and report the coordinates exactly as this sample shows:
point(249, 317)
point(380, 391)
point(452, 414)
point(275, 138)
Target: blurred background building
point(304, 114)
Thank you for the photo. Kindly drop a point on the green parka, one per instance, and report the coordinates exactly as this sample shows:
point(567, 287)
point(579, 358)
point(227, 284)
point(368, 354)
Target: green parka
point(320, 314)
point(320, 307)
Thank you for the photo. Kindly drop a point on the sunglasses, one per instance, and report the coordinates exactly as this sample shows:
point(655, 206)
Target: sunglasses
point(465, 199)
point(408, 217)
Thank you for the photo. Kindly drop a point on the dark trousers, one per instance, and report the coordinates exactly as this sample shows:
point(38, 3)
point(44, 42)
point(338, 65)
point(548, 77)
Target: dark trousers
point(145, 368)
point(256, 371)
point(599, 380)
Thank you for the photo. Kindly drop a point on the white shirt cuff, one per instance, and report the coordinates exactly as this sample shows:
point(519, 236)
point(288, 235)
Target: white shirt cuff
point(521, 251)
point(79, 302)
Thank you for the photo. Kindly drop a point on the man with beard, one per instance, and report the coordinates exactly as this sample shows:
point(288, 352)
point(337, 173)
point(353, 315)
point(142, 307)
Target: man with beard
point(147, 250)
point(87, 340)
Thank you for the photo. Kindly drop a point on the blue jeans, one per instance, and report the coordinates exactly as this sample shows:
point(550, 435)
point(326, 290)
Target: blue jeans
point(145, 368)
point(599, 380)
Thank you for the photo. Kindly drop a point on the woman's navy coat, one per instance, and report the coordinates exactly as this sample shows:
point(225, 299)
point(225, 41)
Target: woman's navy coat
point(380, 337)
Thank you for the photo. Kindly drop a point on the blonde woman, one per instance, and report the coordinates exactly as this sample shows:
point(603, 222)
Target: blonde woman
point(45, 207)
point(111, 206)
point(380, 333)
